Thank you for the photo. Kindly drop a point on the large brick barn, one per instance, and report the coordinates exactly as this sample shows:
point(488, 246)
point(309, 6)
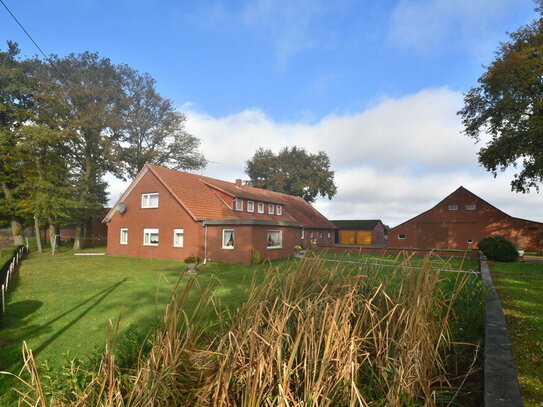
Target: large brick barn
point(462, 219)
point(173, 214)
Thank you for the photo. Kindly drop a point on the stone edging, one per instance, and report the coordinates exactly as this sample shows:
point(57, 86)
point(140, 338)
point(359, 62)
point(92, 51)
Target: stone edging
point(501, 386)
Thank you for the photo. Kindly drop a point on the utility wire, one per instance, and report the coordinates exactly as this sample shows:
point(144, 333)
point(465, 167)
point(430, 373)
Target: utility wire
point(24, 29)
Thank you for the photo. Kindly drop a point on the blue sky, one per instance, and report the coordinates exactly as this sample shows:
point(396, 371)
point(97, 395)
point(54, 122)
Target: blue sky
point(369, 82)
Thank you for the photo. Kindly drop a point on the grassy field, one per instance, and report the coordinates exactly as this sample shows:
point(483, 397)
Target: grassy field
point(520, 288)
point(62, 304)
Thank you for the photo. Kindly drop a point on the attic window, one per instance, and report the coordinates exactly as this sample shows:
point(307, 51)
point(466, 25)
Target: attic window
point(470, 207)
point(260, 207)
point(453, 207)
point(239, 204)
point(149, 200)
point(271, 209)
point(250, 206)
point(279, 210)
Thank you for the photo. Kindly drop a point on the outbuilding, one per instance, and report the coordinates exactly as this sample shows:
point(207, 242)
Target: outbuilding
point(360, 232)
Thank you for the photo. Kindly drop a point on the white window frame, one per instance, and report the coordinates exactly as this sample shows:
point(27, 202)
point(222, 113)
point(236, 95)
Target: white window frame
point(261, 207)
point(471, 207)
point(250, 206)
point(182, 233)
point(453, 207)
point(400, 236)
point(146, 199)
point(329, 235)
point(125, 240)
point(149, 232)
point(239, 204)
point(233, 236)
point(311, 235)
point(280, 239)
point(271, 209)
point(278, 210)
point(320, 235)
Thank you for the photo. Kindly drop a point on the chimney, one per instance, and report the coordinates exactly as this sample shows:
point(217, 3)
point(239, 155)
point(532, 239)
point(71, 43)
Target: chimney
point(238, 183)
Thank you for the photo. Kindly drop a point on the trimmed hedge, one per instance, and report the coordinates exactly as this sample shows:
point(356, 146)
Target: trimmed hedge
point(5, 260)
point(498, 248)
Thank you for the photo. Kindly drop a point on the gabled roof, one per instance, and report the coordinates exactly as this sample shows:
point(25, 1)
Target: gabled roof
point(201, 198)
point(356, 224)
point(459, 189)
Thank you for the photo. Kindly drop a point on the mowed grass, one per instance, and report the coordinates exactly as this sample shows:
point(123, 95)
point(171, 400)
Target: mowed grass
point(520, 288)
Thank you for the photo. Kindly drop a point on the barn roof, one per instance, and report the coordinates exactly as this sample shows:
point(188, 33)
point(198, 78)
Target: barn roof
point(201, 197)
point(356, 224)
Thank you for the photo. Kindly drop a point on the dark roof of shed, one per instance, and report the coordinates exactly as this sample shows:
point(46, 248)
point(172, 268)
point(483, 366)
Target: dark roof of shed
point(357, 224)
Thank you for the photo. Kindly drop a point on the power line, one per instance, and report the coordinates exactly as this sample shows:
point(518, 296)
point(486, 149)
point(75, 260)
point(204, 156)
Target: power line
point(24, 29)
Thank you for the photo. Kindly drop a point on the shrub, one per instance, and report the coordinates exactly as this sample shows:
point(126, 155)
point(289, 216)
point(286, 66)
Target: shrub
point(498, 248)
point(192, 259)
point(255, 256)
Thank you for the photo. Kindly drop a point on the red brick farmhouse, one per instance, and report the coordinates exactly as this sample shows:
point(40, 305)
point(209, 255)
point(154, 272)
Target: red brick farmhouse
point(173, 214)
point(460, 221)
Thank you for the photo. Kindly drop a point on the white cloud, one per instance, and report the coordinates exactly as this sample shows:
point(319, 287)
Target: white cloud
point(392, 161)
point(427, 25)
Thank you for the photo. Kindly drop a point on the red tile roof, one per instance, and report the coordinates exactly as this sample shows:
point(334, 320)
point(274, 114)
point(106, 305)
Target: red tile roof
point(199, 196)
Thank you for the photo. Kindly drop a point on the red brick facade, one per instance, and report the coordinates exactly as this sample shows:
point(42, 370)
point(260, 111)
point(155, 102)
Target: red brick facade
point(460, 221)
point(184, 200)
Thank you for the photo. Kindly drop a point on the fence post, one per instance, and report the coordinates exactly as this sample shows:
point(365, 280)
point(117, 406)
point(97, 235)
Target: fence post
point(3, 305)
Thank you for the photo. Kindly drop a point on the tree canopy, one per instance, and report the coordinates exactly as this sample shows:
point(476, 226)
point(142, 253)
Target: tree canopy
point(292, 171)
point(508, 106)
point(67, 122)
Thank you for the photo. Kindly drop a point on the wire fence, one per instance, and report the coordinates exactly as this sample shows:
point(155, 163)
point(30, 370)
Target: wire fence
point(7, 273)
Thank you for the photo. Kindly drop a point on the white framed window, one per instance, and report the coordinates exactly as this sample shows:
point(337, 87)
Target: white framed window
point(274, 239)
point(228, 238)
point(178, 237)
point(401, 236)
point(453, 207)
point(271, 208)
point(149, 200)
point(279, 210)
point(260, 207)
point(471, 207)
point(150, 237)
point(320, 235)
point(250, 206)
point(329, 235)
point(239, 204)
point(303, 234)
point(469, 240)
point(124, 236)
point(311, 235)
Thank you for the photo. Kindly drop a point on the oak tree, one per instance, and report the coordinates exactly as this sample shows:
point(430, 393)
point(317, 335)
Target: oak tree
point(508, 106)
point(292, 171)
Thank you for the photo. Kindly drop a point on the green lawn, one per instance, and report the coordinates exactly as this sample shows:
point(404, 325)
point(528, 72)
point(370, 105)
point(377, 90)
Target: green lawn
point(62, 303)
point(520, 288)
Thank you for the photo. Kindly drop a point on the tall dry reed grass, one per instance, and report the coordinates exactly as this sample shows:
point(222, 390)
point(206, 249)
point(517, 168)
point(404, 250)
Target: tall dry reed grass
point(313, 335)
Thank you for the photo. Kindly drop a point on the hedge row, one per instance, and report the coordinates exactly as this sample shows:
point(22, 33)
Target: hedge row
point(6, 256)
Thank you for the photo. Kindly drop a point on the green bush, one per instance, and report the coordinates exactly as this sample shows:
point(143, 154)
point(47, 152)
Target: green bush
point(192, 260)
point(498, 248)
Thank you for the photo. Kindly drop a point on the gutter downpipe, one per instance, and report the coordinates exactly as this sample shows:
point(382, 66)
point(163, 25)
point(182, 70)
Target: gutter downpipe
point(205, 243)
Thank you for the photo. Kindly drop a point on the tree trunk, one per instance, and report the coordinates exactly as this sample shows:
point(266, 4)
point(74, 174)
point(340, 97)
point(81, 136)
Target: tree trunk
point(53, 237)
point(78, 237)
point(38, 234)
point(16, 227)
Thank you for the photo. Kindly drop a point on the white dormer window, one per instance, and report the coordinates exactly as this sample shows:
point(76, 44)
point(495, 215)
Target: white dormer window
point(250, 206)
point(271, 209)
point(260, 207)
point(279, 210)
point(149, 200)
point(239, 204)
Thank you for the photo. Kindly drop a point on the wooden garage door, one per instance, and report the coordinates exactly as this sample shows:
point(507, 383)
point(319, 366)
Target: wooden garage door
point(363, 237)
point(346, 237)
